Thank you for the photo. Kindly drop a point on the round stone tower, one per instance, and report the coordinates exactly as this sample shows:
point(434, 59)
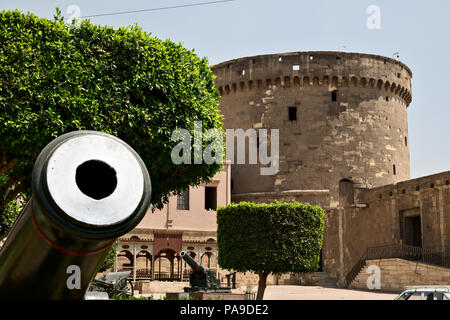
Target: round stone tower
point(341, 117)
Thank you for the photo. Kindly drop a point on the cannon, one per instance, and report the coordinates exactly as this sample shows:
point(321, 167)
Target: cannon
point(115, 284)
point(88, 189)
point(200, 278)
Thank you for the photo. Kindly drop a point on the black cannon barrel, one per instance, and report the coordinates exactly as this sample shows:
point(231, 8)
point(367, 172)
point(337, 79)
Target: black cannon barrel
point(88, 188)
point(197, 269)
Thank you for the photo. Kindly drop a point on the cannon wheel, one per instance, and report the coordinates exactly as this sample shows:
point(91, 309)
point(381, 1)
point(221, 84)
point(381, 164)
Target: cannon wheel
point(124, 288)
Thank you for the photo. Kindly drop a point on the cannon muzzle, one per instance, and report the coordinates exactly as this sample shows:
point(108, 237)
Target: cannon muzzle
point(197, 269)
point(88, 188)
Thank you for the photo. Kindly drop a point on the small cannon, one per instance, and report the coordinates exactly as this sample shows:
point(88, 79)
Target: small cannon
point(88, 188)
point(115, 284)
point(200, 278)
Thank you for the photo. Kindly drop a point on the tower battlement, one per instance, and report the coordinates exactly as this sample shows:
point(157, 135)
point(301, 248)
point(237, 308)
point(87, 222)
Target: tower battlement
point(341, 116)
point(316, 68)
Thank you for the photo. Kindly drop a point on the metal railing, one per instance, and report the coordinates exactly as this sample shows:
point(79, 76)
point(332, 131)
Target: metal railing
point(400, 251)
point(145, 273)
point(167, 276)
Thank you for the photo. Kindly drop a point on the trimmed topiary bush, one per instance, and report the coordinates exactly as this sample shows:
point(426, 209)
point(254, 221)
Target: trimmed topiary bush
point(270, 238)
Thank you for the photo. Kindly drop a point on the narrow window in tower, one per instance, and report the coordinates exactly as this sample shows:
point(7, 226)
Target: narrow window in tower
point(334, 95)
point(387, 99)
point(394, 169)
point(406, 141)
point(254, 61)
point(292, 113)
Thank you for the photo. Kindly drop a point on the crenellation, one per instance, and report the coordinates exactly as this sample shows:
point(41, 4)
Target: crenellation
point(298, 82)
point(340, 103)
point(346, 149)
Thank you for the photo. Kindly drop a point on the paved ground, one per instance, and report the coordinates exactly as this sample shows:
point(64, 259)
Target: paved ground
point(312, 293)
point(321, 293)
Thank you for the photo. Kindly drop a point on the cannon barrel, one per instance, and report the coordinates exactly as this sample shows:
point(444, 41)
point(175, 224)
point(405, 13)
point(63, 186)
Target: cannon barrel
point(197, 269)
point(88, 188)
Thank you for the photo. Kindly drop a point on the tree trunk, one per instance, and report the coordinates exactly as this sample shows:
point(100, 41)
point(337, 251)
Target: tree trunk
point(261, 285)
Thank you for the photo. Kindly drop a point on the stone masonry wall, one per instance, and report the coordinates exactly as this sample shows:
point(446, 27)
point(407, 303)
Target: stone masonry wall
point(362, 136)
point(377, 221)
point(396, 274)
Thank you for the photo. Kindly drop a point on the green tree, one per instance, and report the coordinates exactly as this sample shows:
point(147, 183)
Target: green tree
point(269, 238)
point(8, 215)
point(56, 78)
point(10, 211)
point(110, 258)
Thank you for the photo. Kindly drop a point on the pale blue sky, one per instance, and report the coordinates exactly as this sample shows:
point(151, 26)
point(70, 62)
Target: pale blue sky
point(418, 30)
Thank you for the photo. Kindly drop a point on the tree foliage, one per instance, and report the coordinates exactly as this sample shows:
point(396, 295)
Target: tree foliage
point(9, 212)
point(8, 215)
point(110, 258)
point(56, 78)
point(270, 238)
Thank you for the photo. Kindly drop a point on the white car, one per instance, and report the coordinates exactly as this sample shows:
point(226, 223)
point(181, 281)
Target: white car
point(425, 293)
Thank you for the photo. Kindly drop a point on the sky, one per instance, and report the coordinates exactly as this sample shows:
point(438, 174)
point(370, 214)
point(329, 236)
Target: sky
point(417, 30)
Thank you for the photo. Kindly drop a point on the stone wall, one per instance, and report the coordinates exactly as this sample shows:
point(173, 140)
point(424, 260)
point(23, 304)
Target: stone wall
point(245, 279)
point(360, 136)
point(379, 221)
point(145, 287)
point(316, 197)
point(396, 274)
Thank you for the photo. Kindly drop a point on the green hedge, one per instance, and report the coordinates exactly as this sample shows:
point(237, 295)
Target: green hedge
point(275, 237)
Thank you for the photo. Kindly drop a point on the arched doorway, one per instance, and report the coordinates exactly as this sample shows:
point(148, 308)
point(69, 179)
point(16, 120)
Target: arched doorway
point(209, 260)
point(206, 260)
point(167, 266)
point(125, 261)
point(144, 265)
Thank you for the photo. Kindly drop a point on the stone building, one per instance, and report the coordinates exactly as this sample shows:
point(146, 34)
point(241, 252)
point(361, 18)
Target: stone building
point(187, 222)
point(408, 220)
point(343, 145)
point(340, 116)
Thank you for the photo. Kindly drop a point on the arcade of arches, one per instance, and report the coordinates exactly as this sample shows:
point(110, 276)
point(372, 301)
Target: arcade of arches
point(158, 258)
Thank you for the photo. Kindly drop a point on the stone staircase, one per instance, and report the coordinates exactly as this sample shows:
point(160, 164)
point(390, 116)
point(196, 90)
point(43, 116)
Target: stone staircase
point(395, 274)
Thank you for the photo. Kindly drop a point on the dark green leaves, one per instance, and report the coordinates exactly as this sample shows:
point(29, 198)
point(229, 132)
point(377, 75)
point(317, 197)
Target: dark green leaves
point(56, 79)
point(276, 237)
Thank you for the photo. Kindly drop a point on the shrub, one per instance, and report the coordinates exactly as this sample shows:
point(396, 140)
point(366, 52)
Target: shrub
point(270, 238)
